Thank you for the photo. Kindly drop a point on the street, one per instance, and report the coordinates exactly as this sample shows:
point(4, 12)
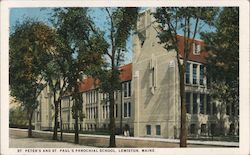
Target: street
point(24, 142)
point(18, 139)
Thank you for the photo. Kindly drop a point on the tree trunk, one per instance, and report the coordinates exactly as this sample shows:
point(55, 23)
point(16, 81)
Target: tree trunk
point(30, 114)
point(56, 120)
point(112, 120)
point(60, 101)
point(183, 132)
point(76, 128)
point(121, 110)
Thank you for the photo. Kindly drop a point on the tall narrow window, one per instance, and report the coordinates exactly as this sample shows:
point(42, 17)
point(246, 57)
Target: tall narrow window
point(96, 112)
point(158, 130)
point(148, 129)
point(202, 106)
point(129, 109)
point(208, 105)
point(192, 129)
point(195, 103)
point(194, 73)
point(125, 110)
point(129, 88)
point(103, 111)
point(187, 73)
point(203, 129)
point(125, 89)
point(116, 110)
point(188, 102)
point(201, 75)
point(152, 77)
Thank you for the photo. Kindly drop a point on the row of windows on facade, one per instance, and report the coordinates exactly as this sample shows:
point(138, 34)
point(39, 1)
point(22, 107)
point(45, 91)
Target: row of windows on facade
point(94, 126)
point(195, 74)
point(157, 130)
point(92, 112)
point(210, 130)
point(193, 129)
point(202, 102)
point(92, 96)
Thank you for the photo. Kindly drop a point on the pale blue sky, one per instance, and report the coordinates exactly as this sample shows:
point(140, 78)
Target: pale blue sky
point(42, 14)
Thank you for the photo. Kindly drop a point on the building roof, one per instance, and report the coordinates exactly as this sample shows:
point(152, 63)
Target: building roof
point(90, 83)
point(192, 57)
point(126, 70)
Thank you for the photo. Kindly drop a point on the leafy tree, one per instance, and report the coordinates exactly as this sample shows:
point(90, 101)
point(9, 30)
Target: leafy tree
point(29, 44)
point(81, 45)
point(223, 60)
point(55, 76)
point(120, 23)
point(18, 117)
point(189, 21)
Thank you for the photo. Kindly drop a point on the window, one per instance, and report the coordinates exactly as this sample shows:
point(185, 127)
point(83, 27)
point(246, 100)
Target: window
point(208, 105)
point(125, 110)
point(153, 77)
point(107, 109)
point(187, 73)
point(213, 128)
point(201, 75)
point(192, 129)
point(129, 109)
point(194, 73)
point(202, 104)
point(103, 111)
point(96, 112)
point(125, 89)
point(91, 97)
point(188, 102)
point(231, 129)
point(203, 129)
point(116, 110)
point(158, 130)
point(148, 129)
point(129, 88)
point(196, 49)
point(195, 104)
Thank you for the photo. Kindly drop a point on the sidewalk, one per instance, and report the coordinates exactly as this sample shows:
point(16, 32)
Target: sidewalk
point(133, 141)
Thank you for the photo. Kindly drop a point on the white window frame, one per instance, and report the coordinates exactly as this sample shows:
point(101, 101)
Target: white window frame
point(196, 49)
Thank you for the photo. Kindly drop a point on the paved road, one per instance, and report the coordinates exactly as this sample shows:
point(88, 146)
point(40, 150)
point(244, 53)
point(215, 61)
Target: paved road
point(24, 142)
point(18, 139)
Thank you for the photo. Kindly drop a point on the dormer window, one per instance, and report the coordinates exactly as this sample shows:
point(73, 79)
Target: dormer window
point(196, 49)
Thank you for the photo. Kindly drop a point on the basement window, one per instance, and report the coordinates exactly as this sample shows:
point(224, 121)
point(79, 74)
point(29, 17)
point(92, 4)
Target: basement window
point(148, 129)
point(158, 130)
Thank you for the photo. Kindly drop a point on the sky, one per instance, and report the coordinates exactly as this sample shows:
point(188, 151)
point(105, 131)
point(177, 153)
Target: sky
point(98, 15)
point(18, 15)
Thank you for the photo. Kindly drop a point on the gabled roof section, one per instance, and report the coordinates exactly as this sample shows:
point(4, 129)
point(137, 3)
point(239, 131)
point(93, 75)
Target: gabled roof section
point(126, 72)
point(90, 83)
point(192, 57)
